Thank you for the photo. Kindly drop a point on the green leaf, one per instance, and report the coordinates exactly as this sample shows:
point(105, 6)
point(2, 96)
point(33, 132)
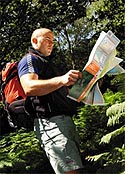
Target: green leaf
point(107, 138)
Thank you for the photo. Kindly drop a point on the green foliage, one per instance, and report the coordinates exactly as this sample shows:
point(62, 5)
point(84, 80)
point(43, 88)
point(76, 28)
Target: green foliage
point(90, 120)
point(1, 104)
point(115, 139)
point(15, 30)
point(111, 162)
point(106, 138)
point(112, 98)
point(20, 152)
point(103, 144)
point(119, 82)
point(90, 124)
point(116, 155)
point(115, 112)
point(73, 41)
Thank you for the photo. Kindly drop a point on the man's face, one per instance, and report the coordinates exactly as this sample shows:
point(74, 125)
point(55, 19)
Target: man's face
point(45, 43)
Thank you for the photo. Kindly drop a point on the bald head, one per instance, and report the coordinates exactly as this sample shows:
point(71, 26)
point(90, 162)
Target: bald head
point(42, 40)
point(40, 32)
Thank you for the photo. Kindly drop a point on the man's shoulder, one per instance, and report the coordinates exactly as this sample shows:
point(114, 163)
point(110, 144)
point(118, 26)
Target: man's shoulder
point(31, 64)
point(26, 65)
point(28, 58)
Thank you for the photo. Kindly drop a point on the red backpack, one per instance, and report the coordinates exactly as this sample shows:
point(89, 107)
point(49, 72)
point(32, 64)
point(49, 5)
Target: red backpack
point(11, 87)
point(14, 99)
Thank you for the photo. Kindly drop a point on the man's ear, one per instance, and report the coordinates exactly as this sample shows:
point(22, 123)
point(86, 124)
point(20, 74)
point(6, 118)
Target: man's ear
point(34, 40)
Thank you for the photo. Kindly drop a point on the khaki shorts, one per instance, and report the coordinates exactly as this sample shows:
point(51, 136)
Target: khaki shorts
point(59, 138)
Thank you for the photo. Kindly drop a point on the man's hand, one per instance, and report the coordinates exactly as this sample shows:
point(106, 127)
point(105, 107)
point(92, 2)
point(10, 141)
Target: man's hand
point(71, 77)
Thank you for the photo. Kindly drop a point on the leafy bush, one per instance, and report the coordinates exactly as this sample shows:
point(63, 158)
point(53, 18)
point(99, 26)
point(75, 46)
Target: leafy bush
point(20, 152)
point(115, 156)
point(90, 123)
point(101, 130)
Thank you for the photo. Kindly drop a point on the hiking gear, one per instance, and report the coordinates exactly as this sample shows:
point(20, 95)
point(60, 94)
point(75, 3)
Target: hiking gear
point(14, 98)
point(11, 87)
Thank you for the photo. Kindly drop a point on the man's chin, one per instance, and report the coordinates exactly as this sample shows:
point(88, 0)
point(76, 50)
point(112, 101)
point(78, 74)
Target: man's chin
point(49, 53)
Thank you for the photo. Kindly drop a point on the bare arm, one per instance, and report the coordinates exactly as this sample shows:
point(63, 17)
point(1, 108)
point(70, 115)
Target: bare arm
point(35, 87)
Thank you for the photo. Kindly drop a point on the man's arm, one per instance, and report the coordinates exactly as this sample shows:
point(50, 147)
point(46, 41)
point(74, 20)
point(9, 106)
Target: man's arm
point(34, 87)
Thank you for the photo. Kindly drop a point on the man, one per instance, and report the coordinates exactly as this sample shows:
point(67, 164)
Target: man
point(48, 92)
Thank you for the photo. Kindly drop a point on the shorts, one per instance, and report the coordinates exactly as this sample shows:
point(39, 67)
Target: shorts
point(60, 141)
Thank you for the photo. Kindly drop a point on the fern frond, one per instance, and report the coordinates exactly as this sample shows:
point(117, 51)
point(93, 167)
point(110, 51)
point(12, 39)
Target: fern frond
point(117, 155)
point(99, 156)
point(114, 120)
point(115, 112)
point(5, 163)
point(106, 138)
